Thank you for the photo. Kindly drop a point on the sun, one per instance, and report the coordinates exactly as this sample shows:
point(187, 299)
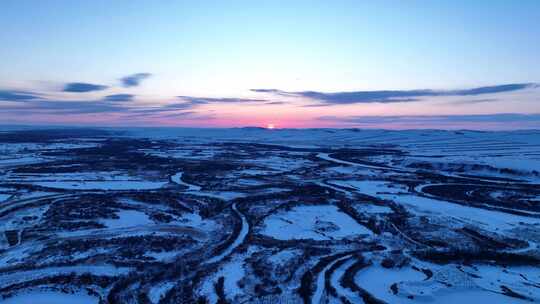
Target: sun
point(270, 126)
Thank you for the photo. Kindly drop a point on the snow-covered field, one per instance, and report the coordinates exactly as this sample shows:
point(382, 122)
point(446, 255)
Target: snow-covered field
point(49, 297)
point(270, 216)
point(321, 222)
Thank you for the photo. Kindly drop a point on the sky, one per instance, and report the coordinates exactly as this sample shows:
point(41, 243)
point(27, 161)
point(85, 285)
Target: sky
point(293, 64)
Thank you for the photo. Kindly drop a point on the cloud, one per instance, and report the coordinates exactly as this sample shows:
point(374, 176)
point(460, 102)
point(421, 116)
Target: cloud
point(119, 97)
point(491, 89)
point(180, 105)
point(109, 104)
point(36, 104)
point(134, 79)
point(207, 100)
point(179, 114)
point(275, 103)
point(188, 115)
point(157, 110)
point(274, 91)
point(392, 96)
point(81, 87)
point(187, 105)
point(63, 107)
point(168, 113)
point(10, 95)
point(190, 102)
point(473, 101)
point(433, 120)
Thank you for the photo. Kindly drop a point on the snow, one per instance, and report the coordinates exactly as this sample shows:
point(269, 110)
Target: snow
point(443, 149)
point(188, 152)
point(223, 195)
point(319, 291)
point(92, 180)
point(22, 276)
point(255, 172)
point(34, 194)
point(522, 164)
point(279, 163)
point(512, 277)
point(473, 296)
point(163, 256)
point(323, 222)
point(158, 291)
point(128, 218)
point(350, 295)
point(377, 281)
point(17, 255)
point(4, 197)
point(372, 209)
point(248, 182)
point(21, 160)
point(351, 170)
point(78, 176)
point(283, 257)
point(275, 190)
point(488, 219)
point(50, 297)
point(450, 283)
point(103, 185)
point(177, 178)
point(327, 157)
point(239, 240)
point(207, 289)
point(372, 187)
point(195, 220)
point(16, 220)
point(232, 272)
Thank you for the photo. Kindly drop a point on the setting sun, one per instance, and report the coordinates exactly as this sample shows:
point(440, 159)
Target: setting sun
point(270, 126)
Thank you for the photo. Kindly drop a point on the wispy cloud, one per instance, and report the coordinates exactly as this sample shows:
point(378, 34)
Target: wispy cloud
point(110, 106)
point(274, 91)
point(26, 102)
point(190, 102)
point(13, 95)
point(473, 101)
point(134, 79)
point(119, 97)
point(186, 107)
point(275, 103)
point(63, 107)
point(207, 100)
point(432, 120)
point(82, 87)
point(392, 96)
point(35, 103)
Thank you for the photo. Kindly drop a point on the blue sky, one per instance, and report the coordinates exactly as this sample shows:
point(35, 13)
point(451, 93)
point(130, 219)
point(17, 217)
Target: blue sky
point(225, 49)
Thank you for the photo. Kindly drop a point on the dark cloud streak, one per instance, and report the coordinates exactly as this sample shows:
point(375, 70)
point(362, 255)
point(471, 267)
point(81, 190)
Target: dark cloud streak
point(392, 96)
point(134, 80)
point(433, 119)
point(82, 87)
point(207, 100)
point(119, 97)
point(473, 101)
point(11, 95)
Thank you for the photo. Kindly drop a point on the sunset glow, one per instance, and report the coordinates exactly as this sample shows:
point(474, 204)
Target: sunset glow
point(389, 64)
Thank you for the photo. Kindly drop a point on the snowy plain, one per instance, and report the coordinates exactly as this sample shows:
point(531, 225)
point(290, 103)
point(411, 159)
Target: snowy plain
point(164, 215)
